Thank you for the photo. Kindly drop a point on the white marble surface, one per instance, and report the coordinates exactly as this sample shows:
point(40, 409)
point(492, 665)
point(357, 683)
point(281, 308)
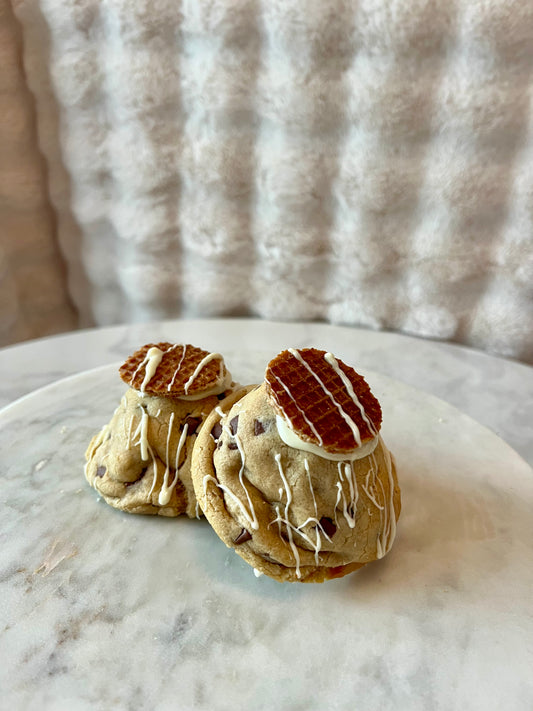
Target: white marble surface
point(496, 392)
point(105, 610)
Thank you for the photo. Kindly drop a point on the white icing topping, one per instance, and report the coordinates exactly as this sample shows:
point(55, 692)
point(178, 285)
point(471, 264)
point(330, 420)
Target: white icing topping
point(292, 440)
point(257, 573)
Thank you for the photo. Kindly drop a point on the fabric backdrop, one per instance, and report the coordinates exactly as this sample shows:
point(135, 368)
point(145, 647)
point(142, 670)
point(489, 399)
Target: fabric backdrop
point(365, 162)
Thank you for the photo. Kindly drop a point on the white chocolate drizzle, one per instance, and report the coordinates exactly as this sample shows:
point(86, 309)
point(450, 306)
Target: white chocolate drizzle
point(217, 389)
point(289, 436)
point(297, 530)
point(175, 374)
point(151, 361)
point(351, 424)
point(330, 358)
point(166, 488)
point(311, 425)
point(140, 438)
point(286, 520)
point(142, 433)
point(369, 487)
point(254, 522)
point(349, 503)
point(388, 533)
point(250, 515)
point(207, 359)
point(317, 544)
point(306, 467)
point(101, 437)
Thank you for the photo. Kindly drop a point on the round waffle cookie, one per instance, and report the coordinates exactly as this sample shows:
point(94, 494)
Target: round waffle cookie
point(175, 370)
point(297, 513)
point(140, 462)
point(324, 401)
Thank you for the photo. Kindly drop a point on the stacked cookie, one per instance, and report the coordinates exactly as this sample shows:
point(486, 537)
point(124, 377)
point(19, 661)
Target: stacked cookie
point(141, 461)
point(291, 473)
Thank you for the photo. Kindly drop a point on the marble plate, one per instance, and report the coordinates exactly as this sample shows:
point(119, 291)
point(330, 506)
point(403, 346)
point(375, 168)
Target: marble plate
point(100, 609)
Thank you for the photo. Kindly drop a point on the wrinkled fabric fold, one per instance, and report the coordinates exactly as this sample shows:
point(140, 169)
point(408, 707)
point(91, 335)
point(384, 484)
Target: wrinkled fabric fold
point(364, 163)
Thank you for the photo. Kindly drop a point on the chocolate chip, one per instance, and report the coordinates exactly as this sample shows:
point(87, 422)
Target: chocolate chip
point(328, 526)
point(233, 445)
point(101, 471)
point(216, 431)
point(193, 423)
point(259, 427)
point(243, 536)
point(221, 396)
point(233, 424)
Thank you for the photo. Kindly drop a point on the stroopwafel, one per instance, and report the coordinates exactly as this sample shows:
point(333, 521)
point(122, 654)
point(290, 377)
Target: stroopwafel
point(175, 370)
point(324, 401)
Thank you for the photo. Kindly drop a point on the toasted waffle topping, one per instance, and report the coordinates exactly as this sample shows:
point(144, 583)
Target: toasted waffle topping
point(324, 401)
point(175, 370)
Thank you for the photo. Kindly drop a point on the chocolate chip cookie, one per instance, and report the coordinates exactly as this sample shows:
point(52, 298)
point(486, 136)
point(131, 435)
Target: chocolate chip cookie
point(294, 474)
point(140, 461)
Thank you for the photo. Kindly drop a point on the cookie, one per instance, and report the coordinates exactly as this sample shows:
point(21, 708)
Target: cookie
point(140, 462)
point(176, 370)
point(294, 474)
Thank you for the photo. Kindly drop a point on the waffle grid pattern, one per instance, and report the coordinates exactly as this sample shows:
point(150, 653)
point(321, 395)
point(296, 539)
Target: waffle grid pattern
point(307, 396)
point(175, 369)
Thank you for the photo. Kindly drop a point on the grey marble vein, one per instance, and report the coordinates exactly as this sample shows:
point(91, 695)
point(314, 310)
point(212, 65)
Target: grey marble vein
point(101, 609)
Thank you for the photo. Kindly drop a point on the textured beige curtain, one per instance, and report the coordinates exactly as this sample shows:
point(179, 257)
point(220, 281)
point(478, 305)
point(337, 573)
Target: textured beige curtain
point(365, 162)
point(33, 295)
